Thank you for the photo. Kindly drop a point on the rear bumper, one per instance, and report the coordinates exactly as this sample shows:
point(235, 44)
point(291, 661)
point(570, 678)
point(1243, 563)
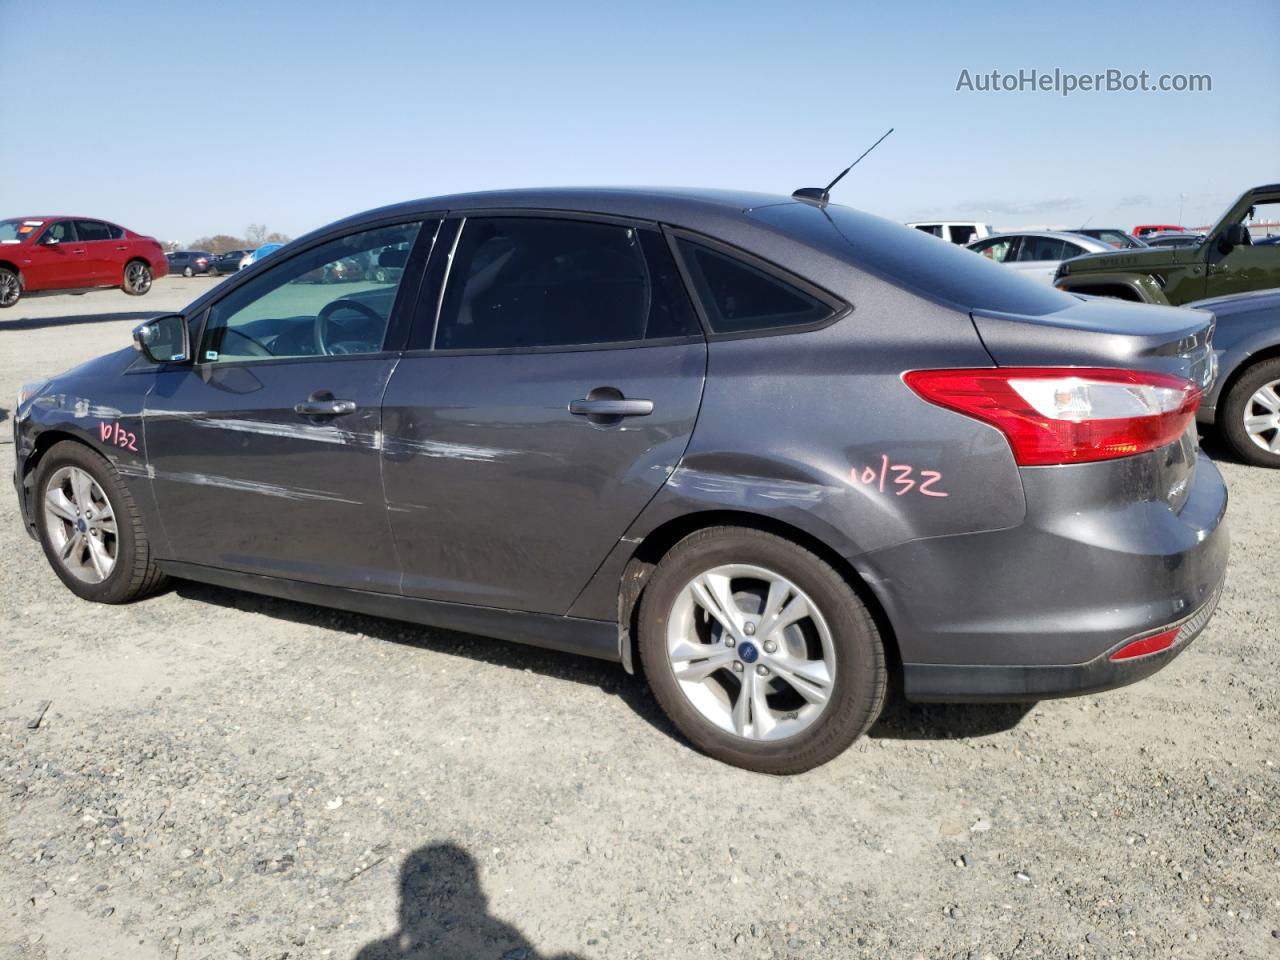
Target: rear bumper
point(948, 683)
point(1037, 610)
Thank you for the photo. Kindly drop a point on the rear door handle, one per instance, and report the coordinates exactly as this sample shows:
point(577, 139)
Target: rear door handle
point(611, 408)
point(325, 408)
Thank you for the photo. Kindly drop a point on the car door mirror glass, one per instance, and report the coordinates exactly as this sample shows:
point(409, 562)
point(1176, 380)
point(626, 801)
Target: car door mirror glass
point(163, 339)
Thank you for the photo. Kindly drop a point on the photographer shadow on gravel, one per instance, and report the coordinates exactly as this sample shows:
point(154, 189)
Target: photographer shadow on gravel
point(444, 914)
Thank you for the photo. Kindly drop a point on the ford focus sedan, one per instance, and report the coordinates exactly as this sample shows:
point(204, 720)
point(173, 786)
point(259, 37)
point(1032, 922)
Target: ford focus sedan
point(763, 446)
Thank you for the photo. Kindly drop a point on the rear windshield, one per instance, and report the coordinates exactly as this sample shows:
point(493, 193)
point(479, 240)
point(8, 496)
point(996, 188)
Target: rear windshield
point(907, 258)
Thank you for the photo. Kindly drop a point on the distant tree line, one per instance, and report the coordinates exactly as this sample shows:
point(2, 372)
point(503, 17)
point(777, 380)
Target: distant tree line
point(255, 235)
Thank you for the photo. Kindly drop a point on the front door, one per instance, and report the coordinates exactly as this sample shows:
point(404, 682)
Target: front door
point(57, 261)
point(1250, 266)
point(265, 453)
point(534, 423)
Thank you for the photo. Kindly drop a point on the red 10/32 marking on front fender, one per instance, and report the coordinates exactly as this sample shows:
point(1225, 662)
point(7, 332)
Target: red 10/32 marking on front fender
point(114, 433)
point(903, 478)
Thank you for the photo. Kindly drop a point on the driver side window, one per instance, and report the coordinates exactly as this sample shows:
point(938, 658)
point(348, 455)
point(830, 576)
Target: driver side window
point(334, 299)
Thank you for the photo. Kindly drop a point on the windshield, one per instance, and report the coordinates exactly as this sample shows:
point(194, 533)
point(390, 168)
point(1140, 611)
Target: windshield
point(15, 231)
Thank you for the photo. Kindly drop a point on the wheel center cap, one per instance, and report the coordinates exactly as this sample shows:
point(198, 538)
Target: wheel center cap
point(81, 525)
point(747, 652)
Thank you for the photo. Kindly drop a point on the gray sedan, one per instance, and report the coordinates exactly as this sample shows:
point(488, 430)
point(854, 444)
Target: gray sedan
point(1037, 253)
point(766, 447)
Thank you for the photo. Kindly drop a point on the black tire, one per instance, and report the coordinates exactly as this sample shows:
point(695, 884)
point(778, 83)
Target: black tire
point(861, 677)
point(137, 279)
point(188, 272)
point(10, 288)
point(1238, 404)
point(134, 574)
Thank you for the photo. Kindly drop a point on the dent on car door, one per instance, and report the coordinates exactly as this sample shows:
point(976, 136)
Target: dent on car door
point(528, 429)
point(264, 452)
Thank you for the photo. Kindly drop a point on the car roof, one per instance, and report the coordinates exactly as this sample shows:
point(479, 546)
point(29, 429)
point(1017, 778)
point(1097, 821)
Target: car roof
point(675, 205)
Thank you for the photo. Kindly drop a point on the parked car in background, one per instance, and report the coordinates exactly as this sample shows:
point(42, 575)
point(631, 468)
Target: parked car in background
point(1175, 240)
point(265, 250)
point(1037, 253)
point(1226, 261)
point(617, 422)
point(228, 262)
point(49, 254)
point(1243, 403)
point(1113, 236)
point(1144, 231)
point(954, 231)
point(190, 262)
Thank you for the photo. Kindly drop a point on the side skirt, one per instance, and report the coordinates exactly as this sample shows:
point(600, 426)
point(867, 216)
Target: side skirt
point(591, 638)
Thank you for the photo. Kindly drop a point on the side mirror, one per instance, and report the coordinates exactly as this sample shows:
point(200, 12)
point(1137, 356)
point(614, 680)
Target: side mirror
point(163, 340)
point(48, 241)
point(1234, 236)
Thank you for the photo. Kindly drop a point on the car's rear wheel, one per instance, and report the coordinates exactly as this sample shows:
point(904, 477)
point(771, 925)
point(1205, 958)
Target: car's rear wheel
point(137, 278)
point(90, 527)
point(10, 288)
point(188, 272)
point(759, 651)
point(1250, 414)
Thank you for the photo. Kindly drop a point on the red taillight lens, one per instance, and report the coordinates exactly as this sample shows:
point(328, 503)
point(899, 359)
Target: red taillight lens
point(1151, 644)
point(1055, 415)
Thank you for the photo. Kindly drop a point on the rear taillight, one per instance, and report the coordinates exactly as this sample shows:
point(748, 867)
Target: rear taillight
point(1055, 415)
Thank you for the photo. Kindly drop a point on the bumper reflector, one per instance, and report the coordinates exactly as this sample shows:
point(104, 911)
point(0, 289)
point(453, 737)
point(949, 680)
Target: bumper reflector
point(1152, 644)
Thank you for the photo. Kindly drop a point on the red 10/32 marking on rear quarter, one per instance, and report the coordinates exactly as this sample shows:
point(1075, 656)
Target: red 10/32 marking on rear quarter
point(114, 433)
point(903, 478)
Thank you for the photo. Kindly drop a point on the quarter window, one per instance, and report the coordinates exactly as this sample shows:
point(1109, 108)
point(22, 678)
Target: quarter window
point(334, 299)
point(741, 298)
point(527, 282)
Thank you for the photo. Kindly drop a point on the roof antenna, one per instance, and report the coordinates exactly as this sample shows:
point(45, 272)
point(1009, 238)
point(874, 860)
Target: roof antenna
point(822, 195)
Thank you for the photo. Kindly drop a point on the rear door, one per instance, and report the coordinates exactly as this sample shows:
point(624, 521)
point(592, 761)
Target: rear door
point(265, 453)
point(528, 427)
point(100, 254)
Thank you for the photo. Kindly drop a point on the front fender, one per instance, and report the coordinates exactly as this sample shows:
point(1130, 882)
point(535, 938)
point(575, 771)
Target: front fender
point(1140, 286)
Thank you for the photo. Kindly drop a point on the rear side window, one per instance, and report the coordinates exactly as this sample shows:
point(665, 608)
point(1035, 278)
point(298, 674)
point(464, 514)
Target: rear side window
point(90, 230)
point(741, 298)
point(114, 232)
point(1040, 248)
point(961, 234)
point(528, 282)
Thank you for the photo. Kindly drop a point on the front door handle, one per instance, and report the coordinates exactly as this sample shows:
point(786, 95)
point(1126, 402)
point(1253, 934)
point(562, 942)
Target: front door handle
point(325, 408)
point(611, 408)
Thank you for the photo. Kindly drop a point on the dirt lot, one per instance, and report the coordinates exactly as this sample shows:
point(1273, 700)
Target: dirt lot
point(225, 775)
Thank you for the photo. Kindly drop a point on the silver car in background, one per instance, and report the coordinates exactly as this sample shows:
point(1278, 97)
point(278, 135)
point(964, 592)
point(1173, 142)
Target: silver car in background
point(1037, 253)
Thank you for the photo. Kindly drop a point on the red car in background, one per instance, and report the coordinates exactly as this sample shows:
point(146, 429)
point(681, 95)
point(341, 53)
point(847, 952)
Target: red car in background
point(42, 254)
point(1144, 230)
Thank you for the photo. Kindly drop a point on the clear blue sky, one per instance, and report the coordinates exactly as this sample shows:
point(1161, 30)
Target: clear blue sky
point(183, 119)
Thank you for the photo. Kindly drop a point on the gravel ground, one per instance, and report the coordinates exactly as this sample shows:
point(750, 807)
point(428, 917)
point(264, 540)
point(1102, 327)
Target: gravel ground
point(223, 775)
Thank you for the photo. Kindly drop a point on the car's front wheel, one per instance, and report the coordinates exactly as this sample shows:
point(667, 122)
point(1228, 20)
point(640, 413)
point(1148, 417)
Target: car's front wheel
point(137, 278)
point(759, 651)
point(1250, 414)
point(90, 527)
point(10, 288)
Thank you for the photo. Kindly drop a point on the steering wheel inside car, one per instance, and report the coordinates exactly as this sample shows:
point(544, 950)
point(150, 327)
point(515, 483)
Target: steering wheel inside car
point(328, 310)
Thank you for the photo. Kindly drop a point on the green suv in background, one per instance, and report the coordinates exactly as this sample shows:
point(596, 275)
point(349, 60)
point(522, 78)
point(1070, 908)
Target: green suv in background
point(1227, 261)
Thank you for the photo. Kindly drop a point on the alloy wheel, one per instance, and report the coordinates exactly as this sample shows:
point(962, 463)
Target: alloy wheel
point(10, 289)
point(1262, 417)
point(137, 277)
point(751, 652)
point(81, 524)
